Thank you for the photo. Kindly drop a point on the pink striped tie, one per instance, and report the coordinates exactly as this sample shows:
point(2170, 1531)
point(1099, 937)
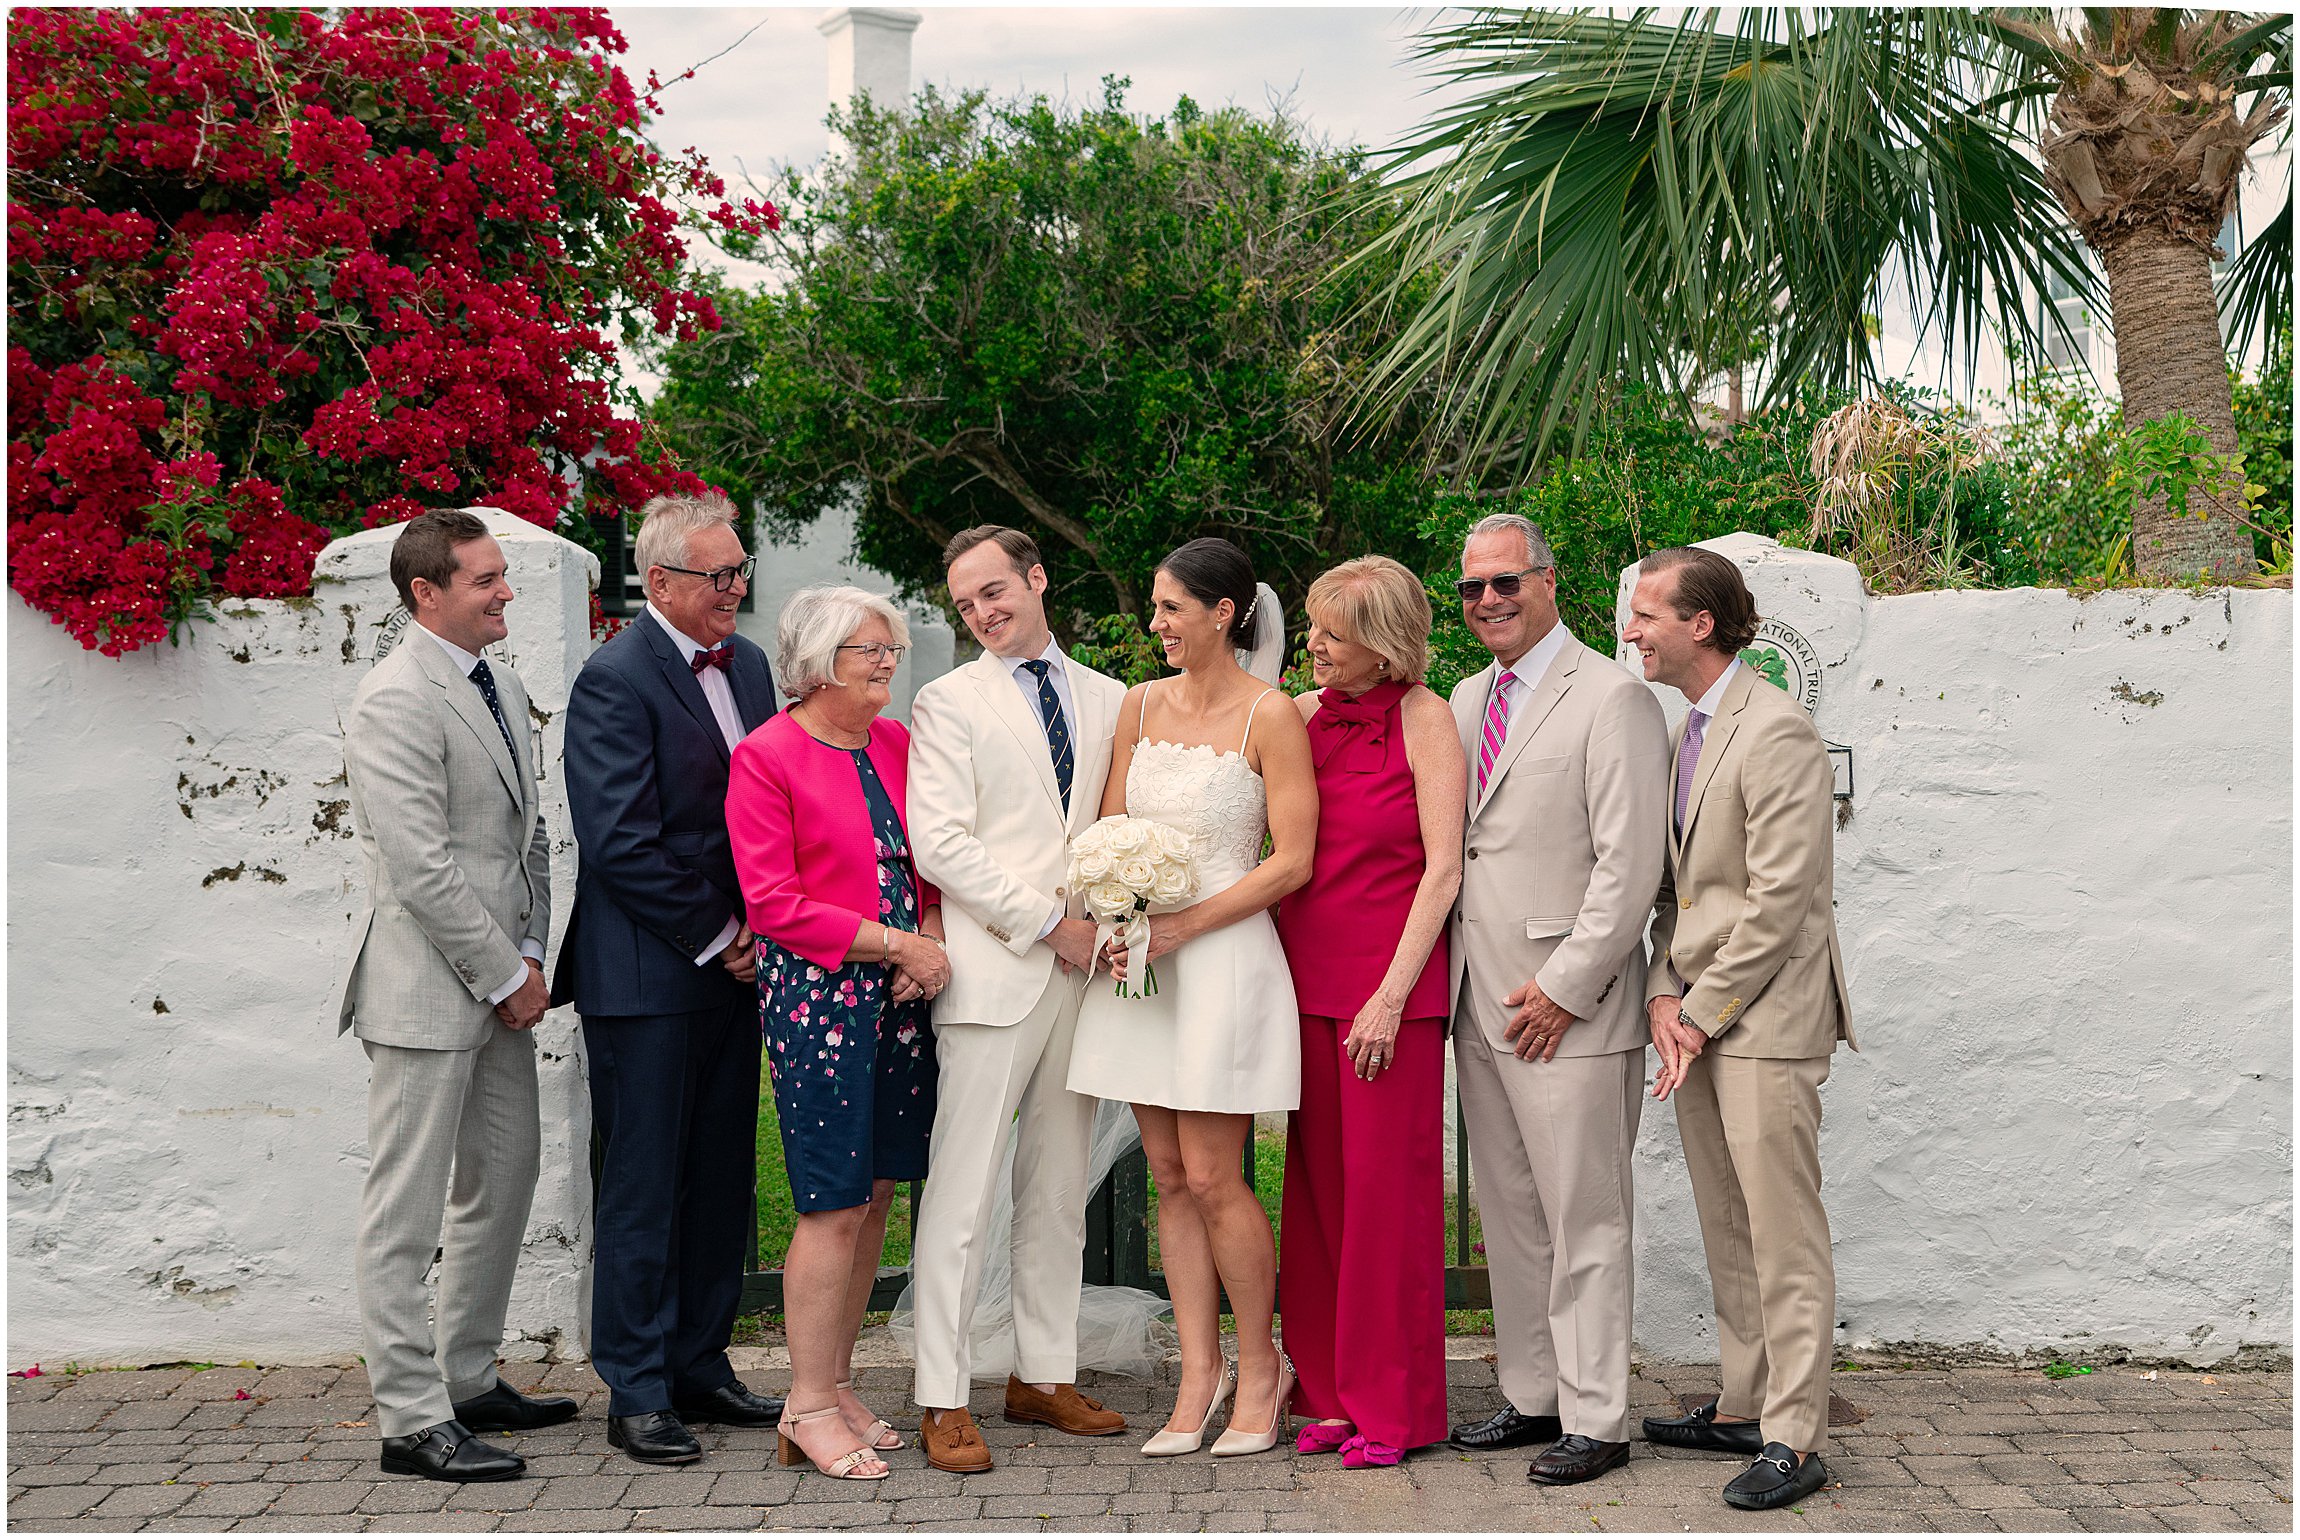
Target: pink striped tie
point(1496, 729)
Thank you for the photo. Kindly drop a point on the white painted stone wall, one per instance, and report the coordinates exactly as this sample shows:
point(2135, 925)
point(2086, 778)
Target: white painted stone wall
point(2064, 888)
point(186, 1132)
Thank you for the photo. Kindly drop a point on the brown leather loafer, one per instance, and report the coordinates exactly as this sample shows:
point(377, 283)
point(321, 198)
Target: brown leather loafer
point(952, 1441)
point(1066, 1410)
point(1575, 1458)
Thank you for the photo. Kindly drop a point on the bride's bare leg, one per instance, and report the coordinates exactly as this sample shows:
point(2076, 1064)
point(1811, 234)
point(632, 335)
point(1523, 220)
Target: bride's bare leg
point(1244, 1253)
point(1189, 1264)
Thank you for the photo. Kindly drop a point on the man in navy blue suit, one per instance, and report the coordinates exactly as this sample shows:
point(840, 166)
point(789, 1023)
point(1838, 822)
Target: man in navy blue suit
point(659, 963)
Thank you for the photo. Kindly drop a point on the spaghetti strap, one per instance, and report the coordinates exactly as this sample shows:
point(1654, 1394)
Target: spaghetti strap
point(1142, 717)
point(1250, 710)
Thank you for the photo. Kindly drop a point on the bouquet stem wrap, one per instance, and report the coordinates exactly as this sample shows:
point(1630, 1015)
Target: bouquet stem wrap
point(1135, 933)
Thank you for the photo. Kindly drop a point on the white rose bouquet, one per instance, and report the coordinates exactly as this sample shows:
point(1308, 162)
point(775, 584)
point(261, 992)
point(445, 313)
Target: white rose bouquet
point(1121, 866)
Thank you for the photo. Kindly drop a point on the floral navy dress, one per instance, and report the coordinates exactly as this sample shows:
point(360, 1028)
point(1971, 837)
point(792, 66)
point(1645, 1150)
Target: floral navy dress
point(854, 1073)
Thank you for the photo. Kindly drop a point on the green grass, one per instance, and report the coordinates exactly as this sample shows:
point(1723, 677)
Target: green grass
point(777, 1218)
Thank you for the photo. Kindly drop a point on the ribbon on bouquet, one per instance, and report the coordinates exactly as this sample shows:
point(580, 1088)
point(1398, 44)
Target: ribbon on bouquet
point(1135, 933)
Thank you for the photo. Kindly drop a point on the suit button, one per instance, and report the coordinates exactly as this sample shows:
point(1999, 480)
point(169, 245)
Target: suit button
point(1685, 903)
point(1061, 892)
point(1473, 855)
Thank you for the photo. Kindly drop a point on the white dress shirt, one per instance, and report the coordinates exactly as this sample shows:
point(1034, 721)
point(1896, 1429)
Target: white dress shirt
point(1714, 696)
point(716, 689)
point(1057, 675)
point(465, 662)
point(721, 695)
point(1526, 672)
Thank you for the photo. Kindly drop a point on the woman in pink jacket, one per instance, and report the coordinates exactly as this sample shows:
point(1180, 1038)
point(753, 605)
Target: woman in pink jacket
point(850, 952)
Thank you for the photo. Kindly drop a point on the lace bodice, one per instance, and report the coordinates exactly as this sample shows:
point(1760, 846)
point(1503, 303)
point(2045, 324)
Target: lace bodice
point(1209, 794)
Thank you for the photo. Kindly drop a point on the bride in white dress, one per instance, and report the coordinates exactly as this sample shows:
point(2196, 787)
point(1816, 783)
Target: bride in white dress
point(1224, 758)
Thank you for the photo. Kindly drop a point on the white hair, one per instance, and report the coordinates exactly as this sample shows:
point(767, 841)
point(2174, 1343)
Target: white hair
point(668, 526)
point(1536, 548)
point(816, 623)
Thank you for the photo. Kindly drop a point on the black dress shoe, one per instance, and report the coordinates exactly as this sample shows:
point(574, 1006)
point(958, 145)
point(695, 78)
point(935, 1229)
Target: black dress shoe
point(1700, 1429)
point(500, 1409)
point(447, 1451)
point(732, 1405)
point(1508, 1428)
point(654, 1438)
point(1575, 1457)
point(1775, 1480)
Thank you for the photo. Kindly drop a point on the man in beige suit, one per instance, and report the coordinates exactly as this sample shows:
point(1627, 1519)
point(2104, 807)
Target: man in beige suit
point(1568, 781)
point(1747, 1002)
point(1007, 759)
point(445, 985)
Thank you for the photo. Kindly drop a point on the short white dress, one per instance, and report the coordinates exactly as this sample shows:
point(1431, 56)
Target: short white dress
point(1222, 1033)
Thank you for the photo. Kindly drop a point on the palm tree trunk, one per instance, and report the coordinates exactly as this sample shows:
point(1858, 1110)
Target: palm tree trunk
point(2170, 358)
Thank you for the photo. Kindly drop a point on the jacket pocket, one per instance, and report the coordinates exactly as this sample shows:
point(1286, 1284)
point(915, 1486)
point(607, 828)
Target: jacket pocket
point(1550, 930)
point(1553, 764)
point(1803, 945)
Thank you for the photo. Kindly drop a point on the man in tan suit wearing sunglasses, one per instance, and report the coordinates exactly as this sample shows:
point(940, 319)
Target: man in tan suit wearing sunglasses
point(1747, 1001)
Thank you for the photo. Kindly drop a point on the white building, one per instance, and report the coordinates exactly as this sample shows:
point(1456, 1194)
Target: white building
point(2089, 345)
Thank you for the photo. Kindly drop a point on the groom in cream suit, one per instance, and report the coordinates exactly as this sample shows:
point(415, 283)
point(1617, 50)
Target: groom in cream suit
point(1568, 786)
point(1007, 760)
point(446, 983)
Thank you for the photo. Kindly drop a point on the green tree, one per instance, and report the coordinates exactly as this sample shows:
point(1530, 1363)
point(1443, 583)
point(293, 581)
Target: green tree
point(1108, 330)
point(1608, 203)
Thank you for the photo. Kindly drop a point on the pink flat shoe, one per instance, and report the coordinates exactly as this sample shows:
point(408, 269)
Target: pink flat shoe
point(1360, 1453)
point(1323, 1437)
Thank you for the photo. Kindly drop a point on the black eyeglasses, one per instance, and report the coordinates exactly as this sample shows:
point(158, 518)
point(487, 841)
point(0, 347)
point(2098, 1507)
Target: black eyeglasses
point(722, 578)
point(1505, 585)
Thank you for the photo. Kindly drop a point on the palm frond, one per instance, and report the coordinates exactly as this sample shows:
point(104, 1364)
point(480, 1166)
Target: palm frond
point(1622, 195)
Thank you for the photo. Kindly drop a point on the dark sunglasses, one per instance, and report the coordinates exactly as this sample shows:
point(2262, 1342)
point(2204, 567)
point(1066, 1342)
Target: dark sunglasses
point(721, 578)
point(1505, 585)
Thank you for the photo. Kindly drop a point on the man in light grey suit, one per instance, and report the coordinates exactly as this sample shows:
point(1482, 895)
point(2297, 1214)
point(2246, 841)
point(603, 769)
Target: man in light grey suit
point(446, 982)
point(1568, 787)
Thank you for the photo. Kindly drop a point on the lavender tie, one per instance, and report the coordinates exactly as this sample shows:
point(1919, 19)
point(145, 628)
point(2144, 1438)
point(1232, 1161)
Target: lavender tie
point(1688, 757)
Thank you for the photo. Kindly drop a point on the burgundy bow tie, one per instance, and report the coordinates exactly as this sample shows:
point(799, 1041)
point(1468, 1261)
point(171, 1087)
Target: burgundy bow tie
point(721, 656)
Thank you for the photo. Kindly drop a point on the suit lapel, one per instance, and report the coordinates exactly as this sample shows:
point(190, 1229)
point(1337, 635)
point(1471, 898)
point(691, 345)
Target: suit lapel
point(754, 685)
point(1007, 703)
point(1469, 715)
point(1714, 738)
point(463, 698)
point(1098, 697)
point(1526, 720)
point(679, 674)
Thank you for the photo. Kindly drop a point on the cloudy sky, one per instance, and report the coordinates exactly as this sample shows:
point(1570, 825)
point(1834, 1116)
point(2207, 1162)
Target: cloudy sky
point(761, 100)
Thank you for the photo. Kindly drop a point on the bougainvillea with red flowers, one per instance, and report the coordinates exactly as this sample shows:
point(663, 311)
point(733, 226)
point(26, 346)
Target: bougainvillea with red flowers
point(275, 275)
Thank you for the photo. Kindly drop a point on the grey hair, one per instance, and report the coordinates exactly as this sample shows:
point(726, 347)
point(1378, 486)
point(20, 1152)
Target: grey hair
point(1536, 548)
point(813, 626)
point(668, 526)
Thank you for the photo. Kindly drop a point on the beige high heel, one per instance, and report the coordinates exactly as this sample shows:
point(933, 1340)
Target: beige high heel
point(880, 1431)
point(1166, 1441)
point(1236, 1440)
point(845, 1468)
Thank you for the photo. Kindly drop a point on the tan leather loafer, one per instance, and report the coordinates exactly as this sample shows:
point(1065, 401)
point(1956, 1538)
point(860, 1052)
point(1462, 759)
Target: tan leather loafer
point(952, 1442)
point(1065, 1410)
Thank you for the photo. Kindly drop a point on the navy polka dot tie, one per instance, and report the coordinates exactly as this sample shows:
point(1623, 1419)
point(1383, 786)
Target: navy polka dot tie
point(484, 677)
point(1057, 728)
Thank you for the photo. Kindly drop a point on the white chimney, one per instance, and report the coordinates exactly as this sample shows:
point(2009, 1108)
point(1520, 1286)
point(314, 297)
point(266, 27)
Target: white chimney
point(870, 55)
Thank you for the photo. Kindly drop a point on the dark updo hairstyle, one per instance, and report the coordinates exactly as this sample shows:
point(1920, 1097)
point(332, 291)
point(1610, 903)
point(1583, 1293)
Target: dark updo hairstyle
point(1211, 569)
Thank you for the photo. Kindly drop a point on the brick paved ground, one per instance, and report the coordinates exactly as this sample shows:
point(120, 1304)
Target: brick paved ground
point(1940, 1449)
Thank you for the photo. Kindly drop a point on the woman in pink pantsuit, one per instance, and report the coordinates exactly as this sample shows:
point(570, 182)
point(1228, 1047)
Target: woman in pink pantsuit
point(1361, 1287)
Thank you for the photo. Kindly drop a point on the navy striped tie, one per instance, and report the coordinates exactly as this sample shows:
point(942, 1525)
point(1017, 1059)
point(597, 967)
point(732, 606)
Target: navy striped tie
point(1057, 727)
